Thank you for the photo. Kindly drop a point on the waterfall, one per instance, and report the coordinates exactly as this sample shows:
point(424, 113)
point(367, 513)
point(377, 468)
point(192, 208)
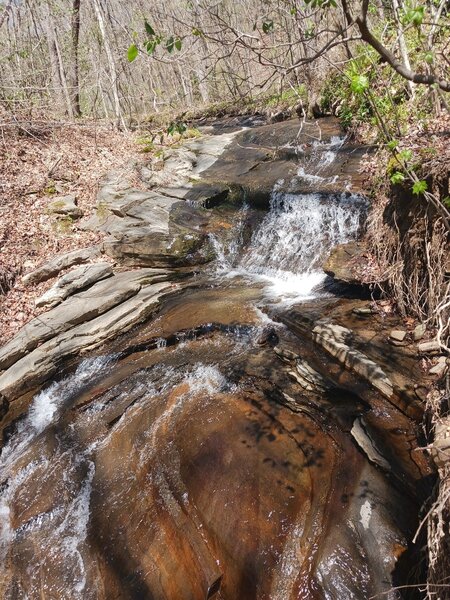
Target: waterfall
point(286, 252)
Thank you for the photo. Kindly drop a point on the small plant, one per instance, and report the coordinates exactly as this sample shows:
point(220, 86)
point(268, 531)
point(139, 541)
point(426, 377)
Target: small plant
point(50, 189)
point(177, 127)
point(147, 143)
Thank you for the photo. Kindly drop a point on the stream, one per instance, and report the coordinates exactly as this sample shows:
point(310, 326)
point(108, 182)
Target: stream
point(216, 452)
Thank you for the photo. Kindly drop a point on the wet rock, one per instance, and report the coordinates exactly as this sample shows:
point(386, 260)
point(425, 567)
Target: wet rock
point(63, 261)
point(334, 338)
point(309, 378)
point(76, 280)
point(367, 444)
point(267, 336)
point(344, 262)
point(226, 485)
point(419, 332)
point(285, 354)
point(65, 206)
point(4, 406)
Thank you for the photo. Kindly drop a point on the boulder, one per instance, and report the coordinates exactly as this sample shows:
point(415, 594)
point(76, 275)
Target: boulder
point(65, 206)
point(78, 279)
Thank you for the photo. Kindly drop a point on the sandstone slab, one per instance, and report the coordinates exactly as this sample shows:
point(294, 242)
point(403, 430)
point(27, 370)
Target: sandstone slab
point(334, 338)
point(74, 281)
point(77, 309)
point(131, 307)
point(61, 262)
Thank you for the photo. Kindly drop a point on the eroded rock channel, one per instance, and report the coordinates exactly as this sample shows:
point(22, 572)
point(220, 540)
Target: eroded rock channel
point(223, 420)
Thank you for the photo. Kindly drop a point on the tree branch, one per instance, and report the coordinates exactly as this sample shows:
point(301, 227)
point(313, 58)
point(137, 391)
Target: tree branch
point(394, 62)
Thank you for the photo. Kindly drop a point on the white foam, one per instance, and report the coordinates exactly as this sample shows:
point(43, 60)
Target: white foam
point(206, 378)
point(287, 251)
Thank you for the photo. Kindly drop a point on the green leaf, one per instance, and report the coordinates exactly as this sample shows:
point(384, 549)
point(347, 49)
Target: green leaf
point(177, 127)
point(294, 11)
point(132, 53)
point(397, 177)
point(420, 187)
point(267, 26)
point(429, 58)
point(151, 46)
point(392, 145)
point(359, 84)
point(197, 32)
point(178, 44)
point(446, 201)
point(170, 45)
point(149, 29)
point(405, 155)
point(414, 16)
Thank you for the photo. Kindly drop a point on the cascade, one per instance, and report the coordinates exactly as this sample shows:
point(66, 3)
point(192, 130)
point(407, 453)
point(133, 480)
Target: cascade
point(218, 465)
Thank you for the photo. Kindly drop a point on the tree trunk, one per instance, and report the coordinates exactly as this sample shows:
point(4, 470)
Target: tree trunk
point(120, 122)
point(55, 82)
point(75, 71)
point(402, 43)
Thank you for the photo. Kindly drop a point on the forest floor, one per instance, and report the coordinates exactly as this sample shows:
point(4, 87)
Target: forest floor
point(39, 162)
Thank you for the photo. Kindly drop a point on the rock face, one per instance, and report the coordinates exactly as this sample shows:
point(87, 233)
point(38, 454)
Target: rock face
point(144, 228)
point(157, 227)
point(345, 263)
point(128, 307)
point(26, 363)
point(202, 464)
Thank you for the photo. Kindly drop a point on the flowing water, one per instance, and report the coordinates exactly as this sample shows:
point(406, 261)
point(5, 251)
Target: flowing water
point(292, 242)
point(194, 465)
